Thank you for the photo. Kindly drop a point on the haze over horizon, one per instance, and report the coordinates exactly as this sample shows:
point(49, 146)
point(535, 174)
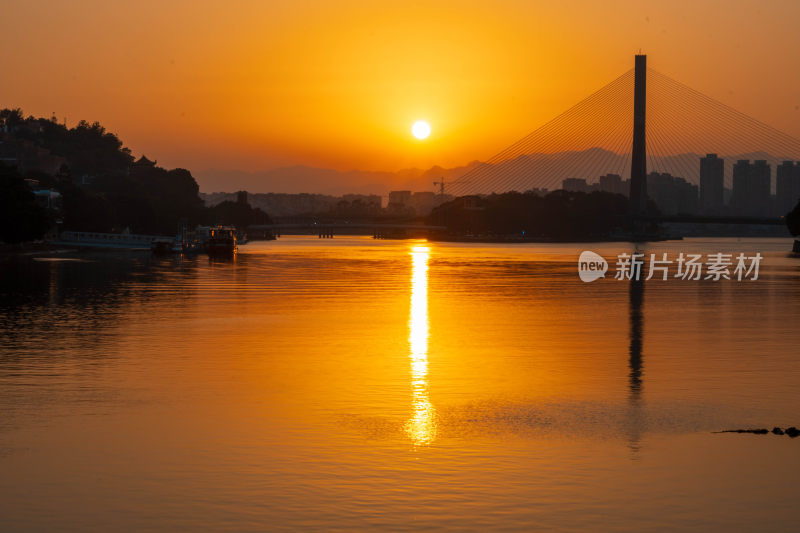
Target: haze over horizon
point(571, 164)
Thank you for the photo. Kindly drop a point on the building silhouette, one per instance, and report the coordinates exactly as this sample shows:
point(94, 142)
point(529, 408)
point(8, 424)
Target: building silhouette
point(762, 183)
point(741, 178)
point(576, 185)
point(751, 188)
point(672, 195)
point(400, 198)
point(613, 183)
point(423, 202)
point(712, 184)
point(787, 186)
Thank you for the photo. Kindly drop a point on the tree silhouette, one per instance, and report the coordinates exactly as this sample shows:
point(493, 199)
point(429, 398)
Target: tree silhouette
point(21, 218)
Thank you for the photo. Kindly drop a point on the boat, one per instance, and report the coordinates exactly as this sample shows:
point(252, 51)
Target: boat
point(119, 241)
point(186, 242)
point(214, 240)
point(221, 241)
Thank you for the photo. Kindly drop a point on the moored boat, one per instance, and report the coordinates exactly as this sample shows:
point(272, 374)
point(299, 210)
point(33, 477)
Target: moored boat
point(186, 242)
point(221, 241)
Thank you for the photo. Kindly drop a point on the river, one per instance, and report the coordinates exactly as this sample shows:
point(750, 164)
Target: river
point(352, 383)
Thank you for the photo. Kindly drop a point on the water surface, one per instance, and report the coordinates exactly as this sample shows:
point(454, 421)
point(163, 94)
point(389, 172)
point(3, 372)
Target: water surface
point(359, 384)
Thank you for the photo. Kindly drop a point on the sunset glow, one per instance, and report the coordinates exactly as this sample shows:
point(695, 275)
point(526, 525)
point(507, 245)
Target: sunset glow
point(271, 84)
point(322, 265)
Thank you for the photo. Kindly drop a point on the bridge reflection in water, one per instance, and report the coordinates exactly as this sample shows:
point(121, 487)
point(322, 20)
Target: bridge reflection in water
point(636, 426)
point(421, 428)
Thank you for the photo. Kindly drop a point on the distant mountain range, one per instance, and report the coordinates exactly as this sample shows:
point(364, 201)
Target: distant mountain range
point(299, 179)
point(541, 170)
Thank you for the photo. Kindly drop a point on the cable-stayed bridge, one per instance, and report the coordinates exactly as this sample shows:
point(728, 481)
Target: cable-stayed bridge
point(647, 128)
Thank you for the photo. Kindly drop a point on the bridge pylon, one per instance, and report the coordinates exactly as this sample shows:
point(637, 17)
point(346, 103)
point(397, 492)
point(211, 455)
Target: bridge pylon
point(638, 186)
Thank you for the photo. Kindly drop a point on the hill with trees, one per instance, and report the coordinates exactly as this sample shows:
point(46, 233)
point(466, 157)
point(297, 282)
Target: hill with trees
point(103, 188)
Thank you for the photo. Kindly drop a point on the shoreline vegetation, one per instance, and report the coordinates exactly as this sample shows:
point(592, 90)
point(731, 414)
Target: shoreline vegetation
point(559, 216)
point(98, 186)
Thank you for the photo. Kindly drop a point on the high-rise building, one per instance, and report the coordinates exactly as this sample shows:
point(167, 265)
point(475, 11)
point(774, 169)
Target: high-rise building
point(712, 183)
point(672, 195)
point(787, 186)
point(741, 180)
point(762, 185)
point(751, 188)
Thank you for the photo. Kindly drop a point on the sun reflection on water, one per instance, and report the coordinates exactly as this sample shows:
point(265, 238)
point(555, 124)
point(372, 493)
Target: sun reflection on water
point(421, 428)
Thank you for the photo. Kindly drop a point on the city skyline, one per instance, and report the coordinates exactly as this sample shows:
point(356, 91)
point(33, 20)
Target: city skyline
point(755, 189)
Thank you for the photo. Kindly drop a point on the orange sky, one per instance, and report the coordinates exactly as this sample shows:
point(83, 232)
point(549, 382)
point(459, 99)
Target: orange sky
point(256, 85)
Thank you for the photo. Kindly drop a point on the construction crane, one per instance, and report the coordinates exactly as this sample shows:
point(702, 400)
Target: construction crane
point(441, 183)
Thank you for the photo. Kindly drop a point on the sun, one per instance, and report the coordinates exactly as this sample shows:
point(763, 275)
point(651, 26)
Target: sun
point(421, 129)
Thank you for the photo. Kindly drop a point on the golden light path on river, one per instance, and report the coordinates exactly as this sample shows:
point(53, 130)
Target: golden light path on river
point(421, 428)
